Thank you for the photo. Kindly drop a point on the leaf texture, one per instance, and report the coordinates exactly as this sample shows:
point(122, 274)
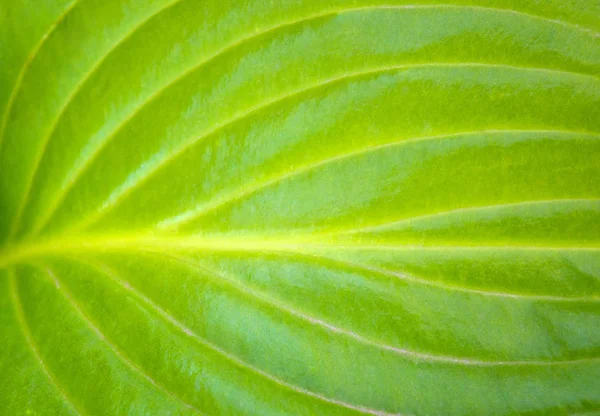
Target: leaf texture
point(300, 207)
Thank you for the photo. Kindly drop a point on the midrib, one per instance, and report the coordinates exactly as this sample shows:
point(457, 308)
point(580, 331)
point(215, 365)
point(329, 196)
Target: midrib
point(22, 252)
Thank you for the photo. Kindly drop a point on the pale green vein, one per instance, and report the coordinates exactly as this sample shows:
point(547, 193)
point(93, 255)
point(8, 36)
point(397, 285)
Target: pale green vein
point(114, 243)
point(111, 345)
point(409, 277)
point(382, 226)
point(14, 291)
point(415, 355)
point(164, 157)
point(81, 165)
point(241, 193)
point(138, 296)
point(25, 67)
point(46, 139)
point(569, 25)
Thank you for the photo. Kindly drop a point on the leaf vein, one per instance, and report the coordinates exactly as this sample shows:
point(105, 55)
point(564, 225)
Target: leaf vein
point(17, 85)
point(163, 158)
point(412, 278)
point(76, 171)
point(110, 273)
point(16, 254)
point(435, 215)
point(30, 342)
point(128, 362)
point(46, 138)
point(241, 193)
point(416, 355)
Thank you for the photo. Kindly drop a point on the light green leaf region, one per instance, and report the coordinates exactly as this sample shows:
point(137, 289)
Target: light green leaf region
point(300, 207)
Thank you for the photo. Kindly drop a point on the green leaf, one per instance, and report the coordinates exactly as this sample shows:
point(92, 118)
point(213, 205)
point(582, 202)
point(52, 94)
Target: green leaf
point(299, 207)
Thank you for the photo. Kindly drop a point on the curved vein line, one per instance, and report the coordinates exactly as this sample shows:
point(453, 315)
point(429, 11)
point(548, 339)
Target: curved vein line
point(161, 159)
point(19, 80)
point(584, 29)
point(76, 171)
point(14, 292)
point(434, 215)
point(46, 139)
point(90, 323)
point(409, 277)
point(205, 208)
point(417, 356)
point(138, 296)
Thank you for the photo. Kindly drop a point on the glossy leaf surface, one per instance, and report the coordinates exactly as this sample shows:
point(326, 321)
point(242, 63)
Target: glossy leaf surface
point(299, 207)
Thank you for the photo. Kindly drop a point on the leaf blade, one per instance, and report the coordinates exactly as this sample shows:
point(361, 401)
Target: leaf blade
point(298, 208)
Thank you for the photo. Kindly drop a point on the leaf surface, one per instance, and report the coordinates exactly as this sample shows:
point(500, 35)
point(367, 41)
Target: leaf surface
point(300, 207)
